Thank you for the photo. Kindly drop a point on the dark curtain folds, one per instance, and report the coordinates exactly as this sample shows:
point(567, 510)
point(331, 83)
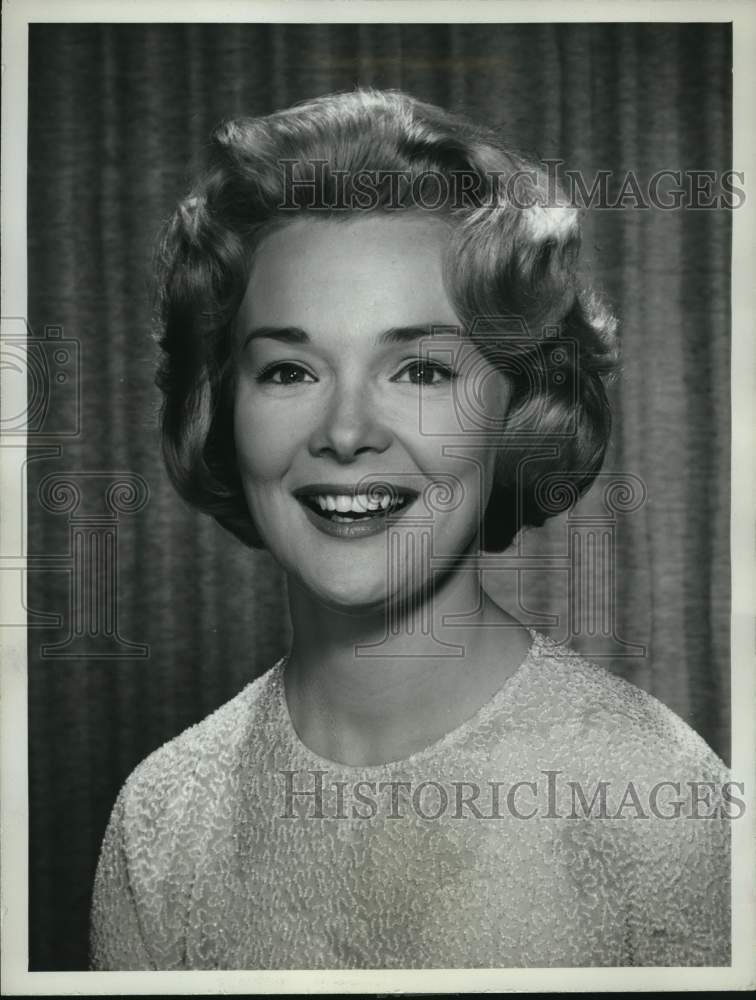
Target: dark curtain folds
point(118, 116)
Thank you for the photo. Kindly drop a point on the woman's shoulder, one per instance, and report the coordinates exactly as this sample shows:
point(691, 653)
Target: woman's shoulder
point(172, 810)
point(609, 716)
point(203, 755)
point(642, 800)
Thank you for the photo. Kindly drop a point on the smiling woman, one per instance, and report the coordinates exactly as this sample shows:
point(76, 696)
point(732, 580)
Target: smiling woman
point(359, 368)
point(342, 396)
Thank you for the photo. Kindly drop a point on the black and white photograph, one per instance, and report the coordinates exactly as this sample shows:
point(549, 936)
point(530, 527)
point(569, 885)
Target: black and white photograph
point(378, 484)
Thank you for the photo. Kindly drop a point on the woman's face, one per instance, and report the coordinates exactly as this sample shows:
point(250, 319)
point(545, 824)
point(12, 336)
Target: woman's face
point(355, 391)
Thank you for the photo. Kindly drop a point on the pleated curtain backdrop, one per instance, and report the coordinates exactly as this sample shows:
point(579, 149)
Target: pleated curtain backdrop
point(118, 117)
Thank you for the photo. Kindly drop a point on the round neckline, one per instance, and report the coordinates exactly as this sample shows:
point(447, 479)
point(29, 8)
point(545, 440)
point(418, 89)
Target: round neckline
point(448, 739)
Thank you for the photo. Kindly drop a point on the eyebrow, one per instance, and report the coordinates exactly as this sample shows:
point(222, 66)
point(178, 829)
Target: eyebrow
point(394, 335)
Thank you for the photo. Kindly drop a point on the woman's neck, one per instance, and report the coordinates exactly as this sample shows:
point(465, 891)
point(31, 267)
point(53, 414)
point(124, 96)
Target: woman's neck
point(363, 692)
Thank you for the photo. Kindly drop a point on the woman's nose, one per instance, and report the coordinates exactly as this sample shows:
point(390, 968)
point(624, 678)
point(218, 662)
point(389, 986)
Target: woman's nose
point(350, 426)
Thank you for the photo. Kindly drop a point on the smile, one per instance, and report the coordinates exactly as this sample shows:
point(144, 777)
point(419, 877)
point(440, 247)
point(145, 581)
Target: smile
point(354, 512)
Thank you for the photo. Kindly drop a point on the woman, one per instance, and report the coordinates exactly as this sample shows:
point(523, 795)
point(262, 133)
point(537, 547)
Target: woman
point(360, 302)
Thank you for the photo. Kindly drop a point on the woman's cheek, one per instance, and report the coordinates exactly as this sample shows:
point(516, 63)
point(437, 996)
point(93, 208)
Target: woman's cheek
point(265, 441)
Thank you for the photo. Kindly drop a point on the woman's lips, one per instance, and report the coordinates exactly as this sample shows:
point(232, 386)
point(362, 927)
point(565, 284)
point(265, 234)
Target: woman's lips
point(358, 520)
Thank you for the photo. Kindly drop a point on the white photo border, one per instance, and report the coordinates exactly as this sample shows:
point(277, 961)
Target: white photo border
point(16, 979)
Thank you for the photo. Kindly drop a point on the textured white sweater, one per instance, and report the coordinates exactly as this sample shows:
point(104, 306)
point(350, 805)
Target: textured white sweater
point(235, 847)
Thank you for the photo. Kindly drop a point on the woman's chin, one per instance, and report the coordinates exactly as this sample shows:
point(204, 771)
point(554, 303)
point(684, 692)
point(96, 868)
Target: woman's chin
point(354, 600)
point(353, 597)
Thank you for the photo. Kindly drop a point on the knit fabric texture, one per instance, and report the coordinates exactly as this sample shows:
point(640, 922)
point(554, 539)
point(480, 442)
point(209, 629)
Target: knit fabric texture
point(574, 820)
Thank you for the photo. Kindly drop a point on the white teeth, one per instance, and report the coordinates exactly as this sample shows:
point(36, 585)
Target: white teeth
point(359, 504)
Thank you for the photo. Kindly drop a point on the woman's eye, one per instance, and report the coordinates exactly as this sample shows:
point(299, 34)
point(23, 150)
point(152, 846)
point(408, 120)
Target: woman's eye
point(284, 374)
point(425, 373)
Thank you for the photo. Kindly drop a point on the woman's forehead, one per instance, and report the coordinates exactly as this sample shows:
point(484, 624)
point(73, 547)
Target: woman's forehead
point(370, 271)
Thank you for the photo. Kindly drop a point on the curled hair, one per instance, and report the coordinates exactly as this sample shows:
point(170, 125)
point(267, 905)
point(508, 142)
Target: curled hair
point(511, 256)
